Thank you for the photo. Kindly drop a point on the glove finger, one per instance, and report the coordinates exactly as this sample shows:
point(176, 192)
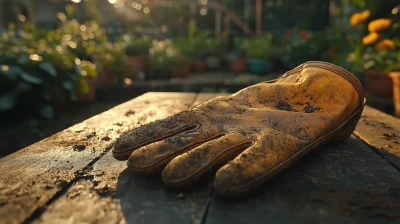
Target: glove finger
point(152, 132)
point(266, 157)
point(151, 158)
point(186, 168)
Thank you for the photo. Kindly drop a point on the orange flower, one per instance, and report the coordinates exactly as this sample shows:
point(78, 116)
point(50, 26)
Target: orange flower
point(303, 34)
point(358, 18)
point(379, 24)
point(385, 44)
point(370, 38)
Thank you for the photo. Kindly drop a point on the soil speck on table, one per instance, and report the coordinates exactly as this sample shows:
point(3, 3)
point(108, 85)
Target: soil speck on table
point(79, 148)
point(106, 139)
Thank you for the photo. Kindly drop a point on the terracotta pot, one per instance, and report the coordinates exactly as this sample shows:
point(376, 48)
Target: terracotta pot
point(239, 65)
point(379, 83)
point(140, 62)
point(396, 91)
point(91, 95)
point(182, 71)
point(199, 66)
point(105, 78)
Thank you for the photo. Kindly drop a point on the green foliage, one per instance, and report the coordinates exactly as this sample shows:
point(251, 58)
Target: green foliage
point(164, 55)
point(195, 47)
point(35, 61)
point(81, 40)
point(260, 47)
point(384, 60)
point(302, 46)
point(199, 45)
point(111, 57)
point(138, 46)
point(215, 46)
point(238, 47)
point(192, 30)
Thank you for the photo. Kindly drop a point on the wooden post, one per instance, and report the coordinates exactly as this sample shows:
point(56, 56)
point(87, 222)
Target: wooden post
point(258, 17)
point(227, 25)
point(218, 17)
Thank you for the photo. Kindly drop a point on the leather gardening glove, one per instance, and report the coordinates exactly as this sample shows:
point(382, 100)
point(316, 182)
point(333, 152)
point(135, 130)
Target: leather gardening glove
point(253, 134)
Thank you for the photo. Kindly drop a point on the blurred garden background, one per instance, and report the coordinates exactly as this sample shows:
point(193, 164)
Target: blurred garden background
point(62, 61)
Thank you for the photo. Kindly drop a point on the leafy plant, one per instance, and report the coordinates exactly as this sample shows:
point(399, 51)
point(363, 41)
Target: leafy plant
point(81, 40)
point(108, 57)
point(238, 47)
point(138, 46)
point(194, 47)
point(88, 71)
point(160, 55)
point(34, 62)
point(164, 56)
point(260, 48)
point(215, 46)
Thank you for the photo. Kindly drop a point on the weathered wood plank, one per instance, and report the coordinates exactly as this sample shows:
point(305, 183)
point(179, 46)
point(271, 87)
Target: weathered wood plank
point(338, 183)
point(34, 175)
point(111, 194)
point(382, 132)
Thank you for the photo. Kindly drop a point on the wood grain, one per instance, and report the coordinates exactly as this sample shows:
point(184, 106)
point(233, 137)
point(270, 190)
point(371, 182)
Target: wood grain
point(33, 176)
point(109, 193)
point(382, 132)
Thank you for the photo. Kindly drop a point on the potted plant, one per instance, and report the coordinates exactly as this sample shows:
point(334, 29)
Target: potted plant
point(238, 63)
point(259, 52)
point(215, 52)
point(112, 64)
point(104, 60)
point(159, 59)
point(195, 49)
point(137, 51)
point(180, 66)
point(380, 57)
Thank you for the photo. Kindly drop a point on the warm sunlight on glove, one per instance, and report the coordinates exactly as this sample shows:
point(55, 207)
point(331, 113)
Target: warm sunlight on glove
point(250, 136)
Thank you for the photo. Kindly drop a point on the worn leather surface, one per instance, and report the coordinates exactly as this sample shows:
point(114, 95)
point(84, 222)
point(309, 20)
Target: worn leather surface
point(250, 136)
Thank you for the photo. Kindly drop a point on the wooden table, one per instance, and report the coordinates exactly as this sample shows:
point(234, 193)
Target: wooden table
point(71, 177)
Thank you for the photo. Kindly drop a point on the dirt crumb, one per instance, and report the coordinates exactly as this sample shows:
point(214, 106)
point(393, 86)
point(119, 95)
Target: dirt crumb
point(129, 113)
point(282, 105)
point(389, 136)
point(79, 147)
point(106, 139)
point(310, 109)
point(91, 135)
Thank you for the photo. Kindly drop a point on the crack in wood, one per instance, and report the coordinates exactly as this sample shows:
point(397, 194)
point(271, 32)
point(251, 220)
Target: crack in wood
point(204, 219)
point(79, 175)
point(85, 181)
